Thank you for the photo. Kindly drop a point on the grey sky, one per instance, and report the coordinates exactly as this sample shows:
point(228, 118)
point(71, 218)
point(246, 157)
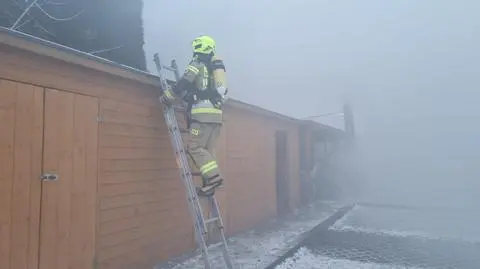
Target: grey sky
point(409, 67)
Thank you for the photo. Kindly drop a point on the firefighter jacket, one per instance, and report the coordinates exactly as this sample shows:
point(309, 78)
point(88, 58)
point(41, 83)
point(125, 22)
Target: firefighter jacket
point(197, 89)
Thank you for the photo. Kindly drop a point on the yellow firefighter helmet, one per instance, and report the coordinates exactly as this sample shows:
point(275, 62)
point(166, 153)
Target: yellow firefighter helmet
point(204, 44)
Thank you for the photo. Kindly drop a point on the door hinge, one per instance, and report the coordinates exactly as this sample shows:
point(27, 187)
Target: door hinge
point(49, 177)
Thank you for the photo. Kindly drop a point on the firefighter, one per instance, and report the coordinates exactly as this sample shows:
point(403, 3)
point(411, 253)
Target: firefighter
point(203, 87)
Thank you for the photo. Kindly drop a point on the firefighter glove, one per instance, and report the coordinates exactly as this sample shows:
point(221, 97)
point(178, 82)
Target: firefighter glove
point(167, 97)
point(218, 102)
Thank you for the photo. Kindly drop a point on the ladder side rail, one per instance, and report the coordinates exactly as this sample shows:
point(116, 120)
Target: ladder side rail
point(172, 124)
point(216, 214)
point(174, 130)
point(193, 202)
point(195, 211)
point(179, 147)
point(188, 180)
point(185, 167)
point(174, 68)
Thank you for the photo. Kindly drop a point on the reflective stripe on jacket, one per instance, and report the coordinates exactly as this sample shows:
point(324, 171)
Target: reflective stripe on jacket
point(203, 110)
point(196, 74)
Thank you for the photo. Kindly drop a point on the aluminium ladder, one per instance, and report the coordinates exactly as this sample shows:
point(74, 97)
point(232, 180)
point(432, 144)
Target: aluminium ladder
point(195, 208)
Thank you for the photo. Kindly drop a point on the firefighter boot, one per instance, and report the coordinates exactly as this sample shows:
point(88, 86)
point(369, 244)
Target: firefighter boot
point(209, 185)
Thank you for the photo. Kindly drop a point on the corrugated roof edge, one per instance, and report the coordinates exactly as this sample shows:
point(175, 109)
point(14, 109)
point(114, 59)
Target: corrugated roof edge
point(63, 53)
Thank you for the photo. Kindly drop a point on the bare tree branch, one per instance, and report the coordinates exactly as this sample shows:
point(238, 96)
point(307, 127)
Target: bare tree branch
point(23, 14)
point(105, 50)
point(23, 23)
point(21, 8)
point(25, 11)
point(39, 17)
point(58, 19)
point(45, 3)
point(38, 25)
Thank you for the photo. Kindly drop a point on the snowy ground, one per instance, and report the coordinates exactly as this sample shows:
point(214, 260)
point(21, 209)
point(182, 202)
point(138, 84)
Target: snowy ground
point(306, 259)
point(451, 237)
point(258, 248)
point(434, 224)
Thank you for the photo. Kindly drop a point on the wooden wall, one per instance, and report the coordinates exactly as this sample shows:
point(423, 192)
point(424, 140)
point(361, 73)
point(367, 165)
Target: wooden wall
point(133, 197)
point(118, 202)
point(250, 167)
point(21, 109)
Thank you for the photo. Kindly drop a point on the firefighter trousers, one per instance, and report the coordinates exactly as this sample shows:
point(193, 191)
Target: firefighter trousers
point(201, 148)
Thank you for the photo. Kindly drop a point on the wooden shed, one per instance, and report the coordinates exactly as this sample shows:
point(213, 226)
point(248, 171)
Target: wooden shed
point(118, 201)
point(315, 141)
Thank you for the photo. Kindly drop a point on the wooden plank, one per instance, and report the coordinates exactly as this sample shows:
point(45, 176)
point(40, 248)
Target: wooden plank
point(134, 153)
point(7, 132)
point(58, 147)
point(138, 198)
point(123, 212)
point(133, 176)
point(159, 217)
point(118, 141)
point(133, 131)
point(140, 165)
point(36, 185)
point(68, 224)
point(135, 210)
point(145, 230)
point(131, 119)
point(138, 187)
point(85, 204)
point(20, 166)
point(128, 108)
point(26, 187)
point(146, 257)
point(168, 230)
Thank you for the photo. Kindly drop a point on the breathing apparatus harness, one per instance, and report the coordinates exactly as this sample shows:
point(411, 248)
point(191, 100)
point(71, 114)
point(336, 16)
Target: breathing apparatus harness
point(210, 93)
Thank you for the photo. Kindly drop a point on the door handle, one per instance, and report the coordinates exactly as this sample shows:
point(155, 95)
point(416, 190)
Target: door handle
point(49, 177)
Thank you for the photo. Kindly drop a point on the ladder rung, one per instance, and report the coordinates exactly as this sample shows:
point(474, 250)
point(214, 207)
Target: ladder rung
point(169, 68)
point(212, 220)
point(214, 245)
point(176, 107)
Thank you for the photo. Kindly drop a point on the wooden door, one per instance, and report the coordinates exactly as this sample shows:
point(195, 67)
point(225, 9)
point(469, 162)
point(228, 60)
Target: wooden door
point(304, 166)
point(21, 120)
point(68, 209)
point(282, 172)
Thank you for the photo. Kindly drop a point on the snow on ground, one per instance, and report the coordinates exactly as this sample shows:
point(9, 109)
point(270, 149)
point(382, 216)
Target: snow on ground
point(451, 225)
point(404, 222)
point(258, 248)
point(306, 259)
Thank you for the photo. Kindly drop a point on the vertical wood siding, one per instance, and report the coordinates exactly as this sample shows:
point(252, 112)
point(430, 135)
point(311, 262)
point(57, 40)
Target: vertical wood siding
point(119, 201)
